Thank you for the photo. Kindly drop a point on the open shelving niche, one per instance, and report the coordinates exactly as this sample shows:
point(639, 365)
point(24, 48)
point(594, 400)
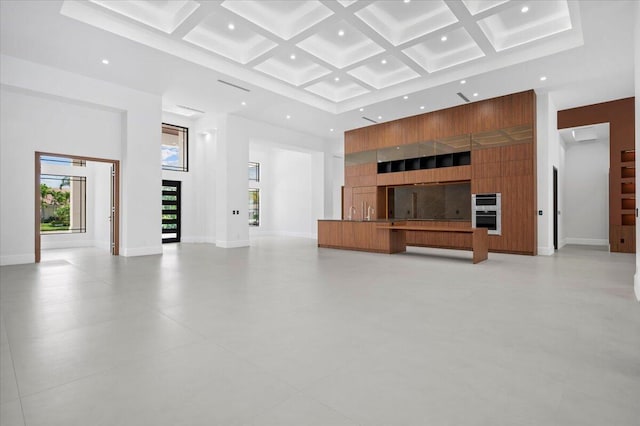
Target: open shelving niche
point(628, 187)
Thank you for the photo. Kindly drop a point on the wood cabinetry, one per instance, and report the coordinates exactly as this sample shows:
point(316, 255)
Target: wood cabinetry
point(623, 234)
point(363, 236)
point(509, 170)
point(501, 160)
point(360, 175)
point(359, 199)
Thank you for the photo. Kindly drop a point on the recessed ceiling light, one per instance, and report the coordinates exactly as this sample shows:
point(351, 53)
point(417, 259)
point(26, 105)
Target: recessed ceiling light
point(105, 61)
point(384, 61)
point(331, 130)
point(243, 103)
point(231, 26)
point(421, 106)
point(379, 117)
point(475, 94)
point(407, 1)
point(543, 78)
point(341, 33)
point(463, 81)
point(336, 79)
point(361, 109)
point(524, 9)
point(292, 56)
point(288, 117)
point(443, 38)
point(405, 97)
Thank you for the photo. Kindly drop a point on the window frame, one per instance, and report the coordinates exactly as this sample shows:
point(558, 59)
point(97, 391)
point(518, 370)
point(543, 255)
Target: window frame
point(256, 166)
point(185, 153)
point(256, 208)
point(83, 216)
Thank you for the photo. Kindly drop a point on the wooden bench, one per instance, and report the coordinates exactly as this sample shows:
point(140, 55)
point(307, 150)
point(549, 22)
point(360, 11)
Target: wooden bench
point(479, 237)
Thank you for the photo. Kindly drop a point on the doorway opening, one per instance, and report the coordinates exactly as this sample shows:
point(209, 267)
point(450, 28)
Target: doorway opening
point(586, 186)
point(62, 188)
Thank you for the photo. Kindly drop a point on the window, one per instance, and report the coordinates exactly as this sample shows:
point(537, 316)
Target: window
point(63, 204)
point(254, 207)
point(254, 172)
point(62, 161)
point(175, 148)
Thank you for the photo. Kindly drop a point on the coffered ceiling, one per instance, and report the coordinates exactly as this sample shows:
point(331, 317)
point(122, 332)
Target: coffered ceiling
point(338, 55)
point(390, 62)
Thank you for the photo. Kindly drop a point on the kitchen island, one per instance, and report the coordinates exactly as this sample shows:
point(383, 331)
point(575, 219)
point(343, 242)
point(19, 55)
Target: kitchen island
point(384, 236)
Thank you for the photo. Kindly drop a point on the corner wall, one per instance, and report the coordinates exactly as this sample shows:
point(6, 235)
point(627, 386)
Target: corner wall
point(548, 157)
point(236, 138)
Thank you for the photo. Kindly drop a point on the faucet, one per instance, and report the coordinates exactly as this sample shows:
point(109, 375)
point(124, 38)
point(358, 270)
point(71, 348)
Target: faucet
point(370, 212)
point(352, 212)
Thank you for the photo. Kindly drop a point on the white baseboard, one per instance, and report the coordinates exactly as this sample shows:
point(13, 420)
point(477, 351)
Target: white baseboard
point(636, 286)
point(192, 239)
point(63, 244)
point(260, 233)
point(102, 245)
point(17, 259)
point(313, 236)
point(588, 241)
point(546, 251)
point(198, 239)
point(232, 244)
point(140, 251)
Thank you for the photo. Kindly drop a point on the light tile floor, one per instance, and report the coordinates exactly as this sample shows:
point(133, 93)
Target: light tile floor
point(284, 333)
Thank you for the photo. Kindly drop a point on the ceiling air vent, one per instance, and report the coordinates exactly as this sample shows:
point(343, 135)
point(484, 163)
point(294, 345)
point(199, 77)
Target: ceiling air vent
point(190, 109)
point(368, 119)
point(234, 85)
point(463, 97)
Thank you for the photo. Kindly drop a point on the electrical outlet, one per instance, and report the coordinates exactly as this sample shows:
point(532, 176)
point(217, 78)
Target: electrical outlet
point(539, 212)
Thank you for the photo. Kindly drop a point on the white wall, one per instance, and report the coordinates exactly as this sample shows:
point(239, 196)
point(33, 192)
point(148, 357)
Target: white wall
point(231, 181)
point(293, 193)
point(47, 109)
point(548, 156)
point(586, 196)
point(288, 201)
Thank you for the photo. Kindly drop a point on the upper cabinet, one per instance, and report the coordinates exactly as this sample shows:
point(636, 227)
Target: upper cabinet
point(483, 116)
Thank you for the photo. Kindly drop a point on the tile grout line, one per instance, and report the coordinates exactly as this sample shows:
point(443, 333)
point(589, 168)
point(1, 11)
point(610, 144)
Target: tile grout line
point(15, 378)
point(136, 360)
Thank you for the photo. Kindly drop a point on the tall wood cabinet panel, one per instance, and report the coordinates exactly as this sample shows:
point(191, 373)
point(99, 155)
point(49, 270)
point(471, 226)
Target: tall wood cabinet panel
point(347, 201)
point(360, 175)
point(509, 170)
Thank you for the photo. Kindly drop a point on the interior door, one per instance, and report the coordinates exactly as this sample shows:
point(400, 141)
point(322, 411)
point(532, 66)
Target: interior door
point(170, 211)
